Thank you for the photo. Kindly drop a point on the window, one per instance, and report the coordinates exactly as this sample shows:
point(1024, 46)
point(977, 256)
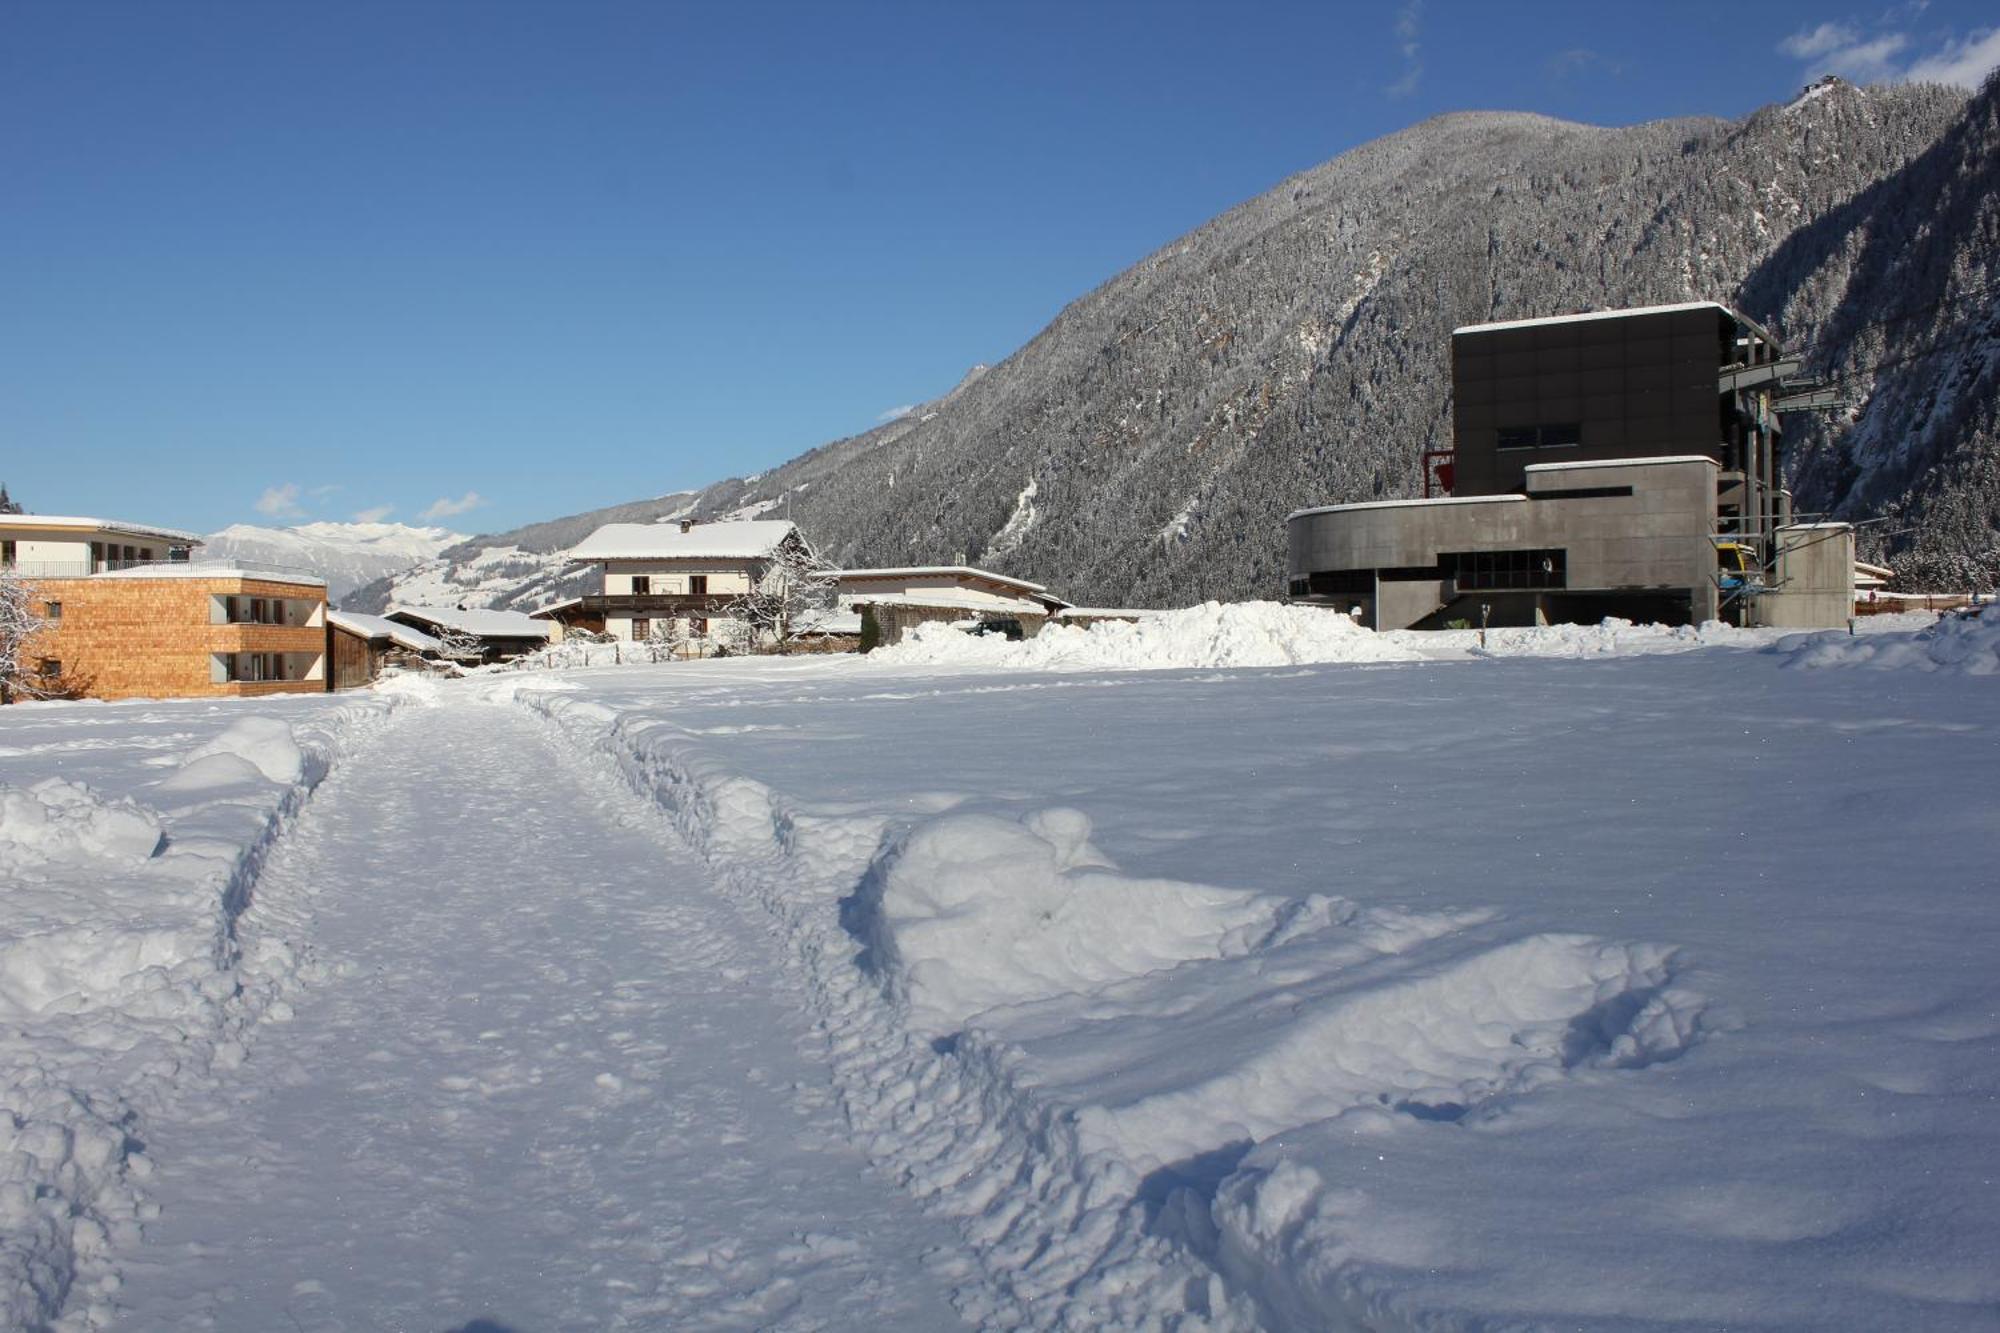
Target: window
point(53, 612)
point(642, 584)
point(698, 585)
point(51, 668)
point(1560, 435)
point(6, 553)
point(1500, 570)
point(1583, 493)
point(642, 628)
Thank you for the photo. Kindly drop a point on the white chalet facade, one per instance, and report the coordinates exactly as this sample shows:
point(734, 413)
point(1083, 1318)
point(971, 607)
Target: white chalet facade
point(675, 581)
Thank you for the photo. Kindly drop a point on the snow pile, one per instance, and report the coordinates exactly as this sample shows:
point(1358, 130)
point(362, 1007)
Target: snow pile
point(1214, 634)
point(256, 747)
point(56, 819)
point(1961, 645)
point(973, 911)
point(1610, 637)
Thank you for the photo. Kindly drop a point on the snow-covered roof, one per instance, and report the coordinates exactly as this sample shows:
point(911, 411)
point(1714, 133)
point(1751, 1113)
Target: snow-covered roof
point(1598, 314)
point(1105, 613)
point(381, 627)
point(1407, 504)
point(938, 571)
point(944, 599)
point(749, 539)
point(1583, 315)
point(94, 524)
point(223, 568)
point(554, 609)
point(482, 623)
point(1583, 463)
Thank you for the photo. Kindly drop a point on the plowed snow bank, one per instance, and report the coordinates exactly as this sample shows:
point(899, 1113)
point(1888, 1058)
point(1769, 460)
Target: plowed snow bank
point(1214, 634)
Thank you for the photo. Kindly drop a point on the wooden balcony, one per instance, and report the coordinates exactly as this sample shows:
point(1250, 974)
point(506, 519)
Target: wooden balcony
point(651, 604)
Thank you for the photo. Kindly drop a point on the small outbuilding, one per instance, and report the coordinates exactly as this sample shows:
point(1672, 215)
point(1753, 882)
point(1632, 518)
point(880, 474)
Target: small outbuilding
point(360, 646)
point(501, 635)
point(892, 602)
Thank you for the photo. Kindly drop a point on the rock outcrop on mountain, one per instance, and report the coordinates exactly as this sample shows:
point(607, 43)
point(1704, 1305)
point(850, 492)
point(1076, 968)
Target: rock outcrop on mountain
point(1146, 446)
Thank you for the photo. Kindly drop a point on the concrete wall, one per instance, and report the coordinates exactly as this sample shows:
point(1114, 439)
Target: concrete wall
point(151, 637)
point(1656, 538)
point(1812, 580)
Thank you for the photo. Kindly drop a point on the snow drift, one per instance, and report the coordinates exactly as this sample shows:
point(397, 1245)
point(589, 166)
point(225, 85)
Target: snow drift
point(1960, 645)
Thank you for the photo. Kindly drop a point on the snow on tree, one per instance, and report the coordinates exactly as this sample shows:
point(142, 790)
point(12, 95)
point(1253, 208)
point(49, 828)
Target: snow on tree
point(797, 588)
point(458, 645)
point(19, 622)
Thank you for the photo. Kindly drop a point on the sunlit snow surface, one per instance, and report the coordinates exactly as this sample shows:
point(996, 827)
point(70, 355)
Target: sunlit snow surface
point(1606, 978)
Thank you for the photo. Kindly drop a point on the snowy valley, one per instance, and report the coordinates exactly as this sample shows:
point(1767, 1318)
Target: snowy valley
point(1235, 969)
point(346, 555)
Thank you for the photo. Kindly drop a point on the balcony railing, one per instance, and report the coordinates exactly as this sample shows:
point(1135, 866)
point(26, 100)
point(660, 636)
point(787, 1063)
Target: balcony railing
point(217, 565)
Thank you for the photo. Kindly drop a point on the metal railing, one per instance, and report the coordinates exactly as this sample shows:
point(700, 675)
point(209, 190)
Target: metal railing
point(219, 565)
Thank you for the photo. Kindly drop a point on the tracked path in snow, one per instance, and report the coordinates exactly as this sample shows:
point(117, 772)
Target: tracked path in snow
point(542, 1077)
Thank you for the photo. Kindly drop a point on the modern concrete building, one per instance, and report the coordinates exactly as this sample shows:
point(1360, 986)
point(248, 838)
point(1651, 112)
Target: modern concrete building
point(61, 546)
point(1624, 462)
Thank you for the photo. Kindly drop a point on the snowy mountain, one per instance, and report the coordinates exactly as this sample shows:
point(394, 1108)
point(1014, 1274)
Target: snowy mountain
point(347, 555)
point(1145, 448)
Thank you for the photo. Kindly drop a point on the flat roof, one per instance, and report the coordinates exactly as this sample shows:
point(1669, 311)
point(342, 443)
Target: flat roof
point(105, 524)
point(1581, 464)
point(938, 571)
point(216, 569)
point(1406, 504)
point(1582, 316)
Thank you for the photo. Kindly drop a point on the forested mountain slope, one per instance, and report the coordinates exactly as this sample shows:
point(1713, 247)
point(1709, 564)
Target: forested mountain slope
point(1146, 447)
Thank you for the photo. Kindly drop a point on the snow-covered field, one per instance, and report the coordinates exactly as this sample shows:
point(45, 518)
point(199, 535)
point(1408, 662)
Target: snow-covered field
point(1604, 978)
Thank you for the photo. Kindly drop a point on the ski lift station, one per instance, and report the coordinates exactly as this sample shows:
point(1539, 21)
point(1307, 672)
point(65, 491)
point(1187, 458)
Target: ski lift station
point(1619, 463)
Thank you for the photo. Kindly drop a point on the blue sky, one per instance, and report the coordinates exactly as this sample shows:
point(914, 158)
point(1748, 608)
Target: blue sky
point(491, 263)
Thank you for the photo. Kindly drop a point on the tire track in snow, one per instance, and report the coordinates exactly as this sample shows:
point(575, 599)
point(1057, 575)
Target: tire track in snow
point(540, 1076)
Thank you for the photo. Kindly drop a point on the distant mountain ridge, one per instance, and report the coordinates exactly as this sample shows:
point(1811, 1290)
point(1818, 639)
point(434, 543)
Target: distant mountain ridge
point(1146, 446)
point(347, 555)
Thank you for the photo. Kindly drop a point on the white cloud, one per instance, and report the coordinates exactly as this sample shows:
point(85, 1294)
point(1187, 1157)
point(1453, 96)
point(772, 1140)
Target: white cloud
point(1823, 40)
point(280, 501)
point(896, 413)
point(1887, 56)
point(1965, 63)
point(1409, 21)
point(375, 515)
point(450, 508)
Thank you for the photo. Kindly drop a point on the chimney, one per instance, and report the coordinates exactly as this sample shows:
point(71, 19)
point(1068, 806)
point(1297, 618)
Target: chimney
point(687, 525)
